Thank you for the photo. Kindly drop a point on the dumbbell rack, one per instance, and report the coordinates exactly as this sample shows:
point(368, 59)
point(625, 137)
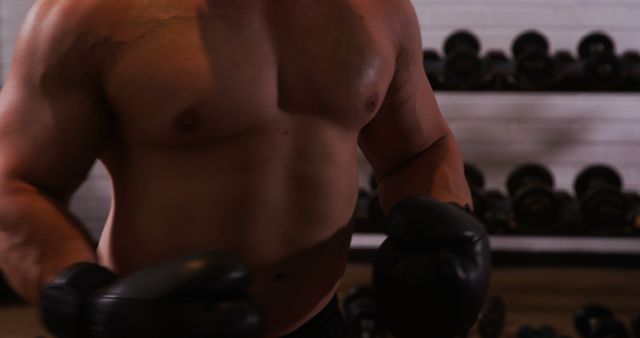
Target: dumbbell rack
point(574, 109)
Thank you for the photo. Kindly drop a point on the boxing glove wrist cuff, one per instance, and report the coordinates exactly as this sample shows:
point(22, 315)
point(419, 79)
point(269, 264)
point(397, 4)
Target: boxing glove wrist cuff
point(65, 302)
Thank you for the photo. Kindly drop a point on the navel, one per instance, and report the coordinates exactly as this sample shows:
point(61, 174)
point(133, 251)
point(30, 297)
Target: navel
point(187, 121)
point(372, 103)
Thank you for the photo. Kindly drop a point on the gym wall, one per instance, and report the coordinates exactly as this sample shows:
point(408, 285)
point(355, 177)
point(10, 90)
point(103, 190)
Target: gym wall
point(496, 131)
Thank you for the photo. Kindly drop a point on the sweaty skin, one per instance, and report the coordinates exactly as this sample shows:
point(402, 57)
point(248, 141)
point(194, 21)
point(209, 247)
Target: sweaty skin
point(229, 124)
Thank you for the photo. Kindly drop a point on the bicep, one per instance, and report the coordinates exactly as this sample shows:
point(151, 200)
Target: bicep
point(409, 120)
point(52, 121)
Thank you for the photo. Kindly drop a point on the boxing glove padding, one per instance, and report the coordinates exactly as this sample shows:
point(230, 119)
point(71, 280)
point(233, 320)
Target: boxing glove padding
point(190, 296)
point(198, 295)
point(185, 277)
point(431, 275)
point(65, 303)
point(421, 223)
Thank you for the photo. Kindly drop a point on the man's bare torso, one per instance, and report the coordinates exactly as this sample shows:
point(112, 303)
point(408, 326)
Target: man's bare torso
point(236, 127)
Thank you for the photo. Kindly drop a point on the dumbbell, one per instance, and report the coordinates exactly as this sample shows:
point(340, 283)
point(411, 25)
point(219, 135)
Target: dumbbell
point(567, 72)
point(491, 207)
point(373, 183)
point(534, 67)
point(569, 218)
point(361, 314)
point(434, 68)
point(603, 205)
point(492, 319)
point(463, 67)
point(497, 72)
point(633, 219)
point(533, 201)
point(475, 180)
point(374, 209)
point(631, 70)
point(601, 67)
point(473, 174)
point(497, 217)
point(597, 321)
point(362, 204)
point(363, 209)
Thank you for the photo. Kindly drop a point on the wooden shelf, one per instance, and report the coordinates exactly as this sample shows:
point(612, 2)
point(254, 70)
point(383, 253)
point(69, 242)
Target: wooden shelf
point(536, 250)
point(534, 244)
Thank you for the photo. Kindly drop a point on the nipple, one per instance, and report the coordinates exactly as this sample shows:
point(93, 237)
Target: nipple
point(187, 121)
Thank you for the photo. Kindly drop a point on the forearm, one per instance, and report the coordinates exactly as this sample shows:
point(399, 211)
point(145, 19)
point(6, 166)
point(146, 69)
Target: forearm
point(38, 239)
point(437, 172)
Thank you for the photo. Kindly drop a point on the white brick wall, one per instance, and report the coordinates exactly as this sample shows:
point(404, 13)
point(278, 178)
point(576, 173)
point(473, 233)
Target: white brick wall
point(564, 131)
point(12, 13)
point(496, 131)
point(496, 22)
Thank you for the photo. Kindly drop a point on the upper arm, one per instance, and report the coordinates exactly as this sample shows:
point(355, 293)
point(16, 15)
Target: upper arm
point(53, 120)
point(409, 120)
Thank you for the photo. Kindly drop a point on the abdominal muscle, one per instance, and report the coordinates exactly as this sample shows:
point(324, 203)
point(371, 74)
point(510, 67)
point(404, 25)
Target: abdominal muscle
point(291, 224)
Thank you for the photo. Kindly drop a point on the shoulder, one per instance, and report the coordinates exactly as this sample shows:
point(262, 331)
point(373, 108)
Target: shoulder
point(61, 18)
point(54, 27)
point(401, 12)
point(58, 34)
point(401, 18)
point(401, 22)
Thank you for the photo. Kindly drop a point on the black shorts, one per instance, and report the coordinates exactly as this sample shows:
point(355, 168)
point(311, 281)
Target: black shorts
point(328, 323)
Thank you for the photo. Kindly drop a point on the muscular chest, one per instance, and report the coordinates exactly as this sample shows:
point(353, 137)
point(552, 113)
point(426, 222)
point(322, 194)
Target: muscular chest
point(215, 72)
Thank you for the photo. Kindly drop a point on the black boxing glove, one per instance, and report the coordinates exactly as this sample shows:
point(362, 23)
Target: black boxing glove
point(199, 295)
point(431, 275)
point(64, 304)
